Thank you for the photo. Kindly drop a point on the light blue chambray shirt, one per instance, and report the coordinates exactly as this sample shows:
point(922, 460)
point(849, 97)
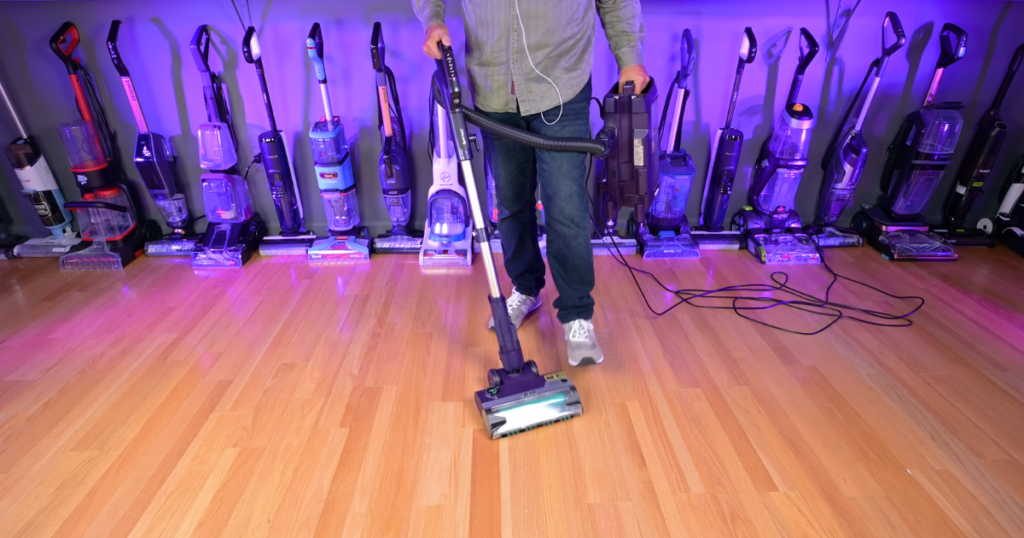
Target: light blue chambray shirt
point(560, 36)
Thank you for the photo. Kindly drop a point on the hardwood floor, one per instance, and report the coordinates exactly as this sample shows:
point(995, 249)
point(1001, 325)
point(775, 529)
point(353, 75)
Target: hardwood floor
point(289, 400)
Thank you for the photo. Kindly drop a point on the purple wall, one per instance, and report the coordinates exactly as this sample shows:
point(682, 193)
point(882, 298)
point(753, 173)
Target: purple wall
point(154, 41)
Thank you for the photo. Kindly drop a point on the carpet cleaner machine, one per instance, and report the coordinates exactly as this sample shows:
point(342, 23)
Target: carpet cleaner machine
point(394, 167)
point(518, 398)
point(667, 235)
point(293, 240)
point(847, 153)
point(346, 240)
point(914, 165)
point(1009, 225)
point(156, 163)
point(975, 168)
point(721, 175)
point(107, 212)
point(40, 186)
point(771, 225)
point(235, 228)
point(448, 237)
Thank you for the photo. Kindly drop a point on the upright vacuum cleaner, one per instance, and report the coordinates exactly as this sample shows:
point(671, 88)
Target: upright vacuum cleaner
point(518, 398)
point(916, 159)
point(234, 228)
point(667, 234)
point(847, 154)
point(1009, 224)
point(39, 185)
point(332, 161)
point(772, 226)
point(107, 211)
point(294, 239)
point(156, 163)
point(975, 168)
point(722, 170)
point(447, 240)
point(394, 167)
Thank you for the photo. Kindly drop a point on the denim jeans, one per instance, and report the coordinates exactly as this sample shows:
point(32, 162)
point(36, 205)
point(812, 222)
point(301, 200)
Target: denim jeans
point(562, 177)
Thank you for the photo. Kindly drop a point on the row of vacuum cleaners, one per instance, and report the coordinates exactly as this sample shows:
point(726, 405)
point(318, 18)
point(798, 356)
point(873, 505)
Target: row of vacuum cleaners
point(650, 158)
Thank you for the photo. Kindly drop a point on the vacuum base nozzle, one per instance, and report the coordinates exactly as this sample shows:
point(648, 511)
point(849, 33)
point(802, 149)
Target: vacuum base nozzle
point(96, 257)
point(522, 401)
point(833, 238)
point(718, 240)
point(171, 247)
point(46, 247)
point(606, 246)
point(397, 244)
point(669, 247)
point(340, 249)
point(281, 245)
point(783, 249)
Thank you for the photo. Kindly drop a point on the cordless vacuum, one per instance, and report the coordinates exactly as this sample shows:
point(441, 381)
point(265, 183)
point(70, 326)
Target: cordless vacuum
point(1009, 224)
point(722, 170)
point(975, 168)
point(447, 239)
point(235, 229)
point(771, 225)
point(394, 167)
point(39, 185)
point(847, 154)
point(518, 398)
point(294, 239)
point(107, 211)
point(156, 163)
point(332, 161)
point(667, 234)
point(916, 159)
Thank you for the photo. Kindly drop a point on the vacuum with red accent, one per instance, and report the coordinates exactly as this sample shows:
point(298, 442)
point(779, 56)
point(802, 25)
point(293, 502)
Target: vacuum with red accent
point(107, 213)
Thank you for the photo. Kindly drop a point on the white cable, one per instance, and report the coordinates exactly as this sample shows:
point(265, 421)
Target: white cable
point(535, 70)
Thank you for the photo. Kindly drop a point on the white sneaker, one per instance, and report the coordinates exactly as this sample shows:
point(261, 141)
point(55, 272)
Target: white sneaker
point(519, 306)
point(581, 344)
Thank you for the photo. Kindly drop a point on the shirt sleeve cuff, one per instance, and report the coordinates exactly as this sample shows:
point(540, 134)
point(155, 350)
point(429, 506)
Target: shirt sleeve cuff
point(434, 15)
point(628, 56)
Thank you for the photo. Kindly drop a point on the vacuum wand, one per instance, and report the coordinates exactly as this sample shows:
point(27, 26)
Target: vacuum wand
point(10, 107)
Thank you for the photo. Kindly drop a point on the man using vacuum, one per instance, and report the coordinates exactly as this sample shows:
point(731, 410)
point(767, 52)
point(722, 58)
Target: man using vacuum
point(517, 90)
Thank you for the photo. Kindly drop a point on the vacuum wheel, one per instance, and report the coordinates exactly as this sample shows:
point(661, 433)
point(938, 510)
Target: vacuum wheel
point(986, 225)
point(533, 367)
point(861, 223)
point(493, 378)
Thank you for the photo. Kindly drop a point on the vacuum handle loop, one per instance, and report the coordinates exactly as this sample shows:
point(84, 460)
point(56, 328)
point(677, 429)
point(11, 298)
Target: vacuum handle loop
point(892, 20)
point(63, 44)
point(201, 48)
point(808, 50)
point(315, 48)
point(115, 56)
point(953, 40)
point(377, 47)
point(687, 58)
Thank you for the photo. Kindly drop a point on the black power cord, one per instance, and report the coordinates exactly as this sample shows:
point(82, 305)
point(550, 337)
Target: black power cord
point(804, 302)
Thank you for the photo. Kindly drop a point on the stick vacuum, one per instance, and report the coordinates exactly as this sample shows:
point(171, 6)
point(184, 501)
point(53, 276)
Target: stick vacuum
point(847, 154)
point(914, 165)
point(518, 398)
point(107, 211)
point(1009, 224)
point(235, 228)
point(294, 240)
point(40, 186)
point(156, 164)
point(772, 226)
point(332, 161)
point(975, 168)
point(722, 170)
point(395, 170)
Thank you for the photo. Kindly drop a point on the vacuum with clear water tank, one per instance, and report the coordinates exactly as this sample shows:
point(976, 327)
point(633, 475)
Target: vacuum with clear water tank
point(847, 153)
point(394, 166)
point(332, 161)
point(234, 227)
point(39, 185)
point(107, 211)
point(156, 163)
point(771, 225)
point(914, 165)
point(293, 240)
point(726, 150)
point(975, 168)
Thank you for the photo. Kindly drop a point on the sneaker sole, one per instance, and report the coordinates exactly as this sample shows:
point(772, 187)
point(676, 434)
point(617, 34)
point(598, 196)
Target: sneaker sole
point(588, 361)
point(490, 324)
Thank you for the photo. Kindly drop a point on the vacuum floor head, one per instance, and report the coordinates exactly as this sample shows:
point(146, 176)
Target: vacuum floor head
point(397, 244)
point(783, 249)
point(282, 245)
point(171, 247)
point(606, 246)
point(913, 245)
point(46, 247)
point(833, 238)
point(669, 246)
point(97, 257)
point(519, 402)
point(718, 240)
point(340, 249)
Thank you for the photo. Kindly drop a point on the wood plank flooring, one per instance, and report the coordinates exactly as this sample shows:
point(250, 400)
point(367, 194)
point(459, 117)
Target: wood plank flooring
point(290, 400)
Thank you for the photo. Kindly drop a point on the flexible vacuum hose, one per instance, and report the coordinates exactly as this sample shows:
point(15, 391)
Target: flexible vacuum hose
point(577, 145)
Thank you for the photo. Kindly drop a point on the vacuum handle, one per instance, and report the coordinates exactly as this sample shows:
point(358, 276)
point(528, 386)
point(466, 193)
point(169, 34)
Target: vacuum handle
point(92, 204)
point(808, 50)
point(63, 44)
point(201, 48)
point(953, 40)
point(115, 56)
point(1011, 72)
point(315, 48)
point(377, 48)
point(251, 46)
point(687, 58)
point(892, 20)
